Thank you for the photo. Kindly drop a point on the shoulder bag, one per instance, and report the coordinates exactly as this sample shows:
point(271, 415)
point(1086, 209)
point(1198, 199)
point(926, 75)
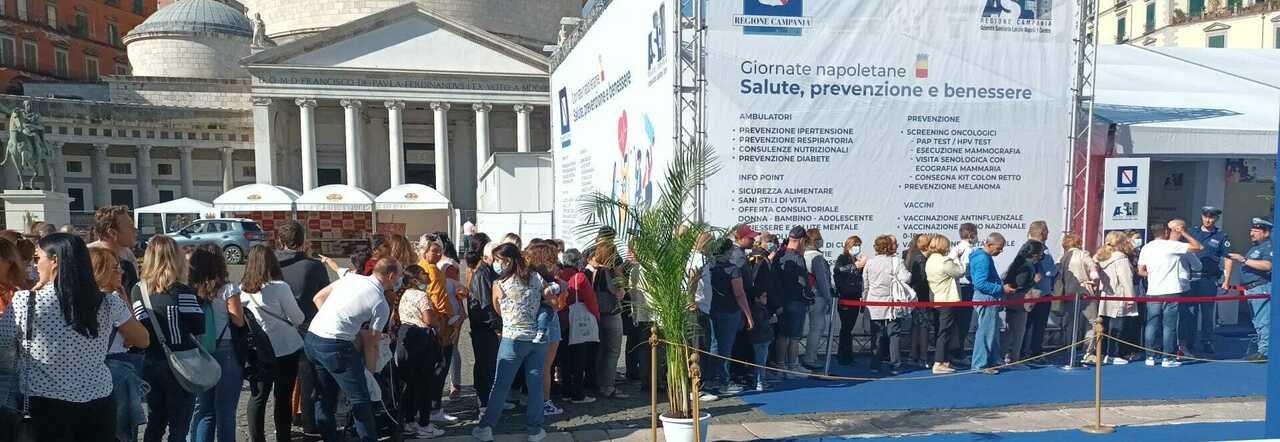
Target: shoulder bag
point(195, 370)
point(900, 292)
point(582, 324)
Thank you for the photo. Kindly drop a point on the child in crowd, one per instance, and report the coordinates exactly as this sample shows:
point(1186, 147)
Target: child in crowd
point(761, 335)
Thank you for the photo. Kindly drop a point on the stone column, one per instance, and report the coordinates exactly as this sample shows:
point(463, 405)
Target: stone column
point(146, 188)
point(522, 126)
point(355, 176)
point(57, 169)
point(307, 108)
point(228, 169)
point(395, 140)
point(101, 171)
point(188, 171)
point(441, 124)
point(482, 135)
point(264, 159)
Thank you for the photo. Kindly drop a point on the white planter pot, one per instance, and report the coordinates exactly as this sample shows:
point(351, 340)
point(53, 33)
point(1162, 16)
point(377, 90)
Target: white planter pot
point(681, 430)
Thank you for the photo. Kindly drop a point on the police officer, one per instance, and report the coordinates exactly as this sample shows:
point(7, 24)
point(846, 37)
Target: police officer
point(1255, 275)
point(1197, 335)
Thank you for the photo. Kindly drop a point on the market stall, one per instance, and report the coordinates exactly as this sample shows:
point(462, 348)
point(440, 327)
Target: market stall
point(338, 218)
point(264, 203)
point(412, 210)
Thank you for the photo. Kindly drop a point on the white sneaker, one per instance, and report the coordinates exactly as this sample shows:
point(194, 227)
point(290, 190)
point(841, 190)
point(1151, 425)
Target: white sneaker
point(429, 432)
point(760, 386)
point(550, 409)
point(482, 434)
point(441, 416)
point(1151, 362)
point(542, 434)
point(413, 428)
point(708, 397)
point(1116, 360)
point(585, 400)
point(1170, 363)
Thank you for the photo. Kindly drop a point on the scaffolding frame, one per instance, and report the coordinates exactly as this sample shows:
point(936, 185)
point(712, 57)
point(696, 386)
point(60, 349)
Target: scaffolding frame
point(689, 89)
point(1079, 171)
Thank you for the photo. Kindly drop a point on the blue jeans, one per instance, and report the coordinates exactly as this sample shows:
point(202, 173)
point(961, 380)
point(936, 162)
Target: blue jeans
point(338, 366)
point(986, 340)
point(215, 413)
point(761, 358)
point(1261, 316)
point(126, 383)
point(1196, 318)
point(548, 325)
point(1162, 325)
point(169, 403)
point(724, 329)
point(511, 355)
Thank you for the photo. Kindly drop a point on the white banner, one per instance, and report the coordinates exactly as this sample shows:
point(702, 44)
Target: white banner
point(1124, 205)
point(614, 110)
point(889, 117)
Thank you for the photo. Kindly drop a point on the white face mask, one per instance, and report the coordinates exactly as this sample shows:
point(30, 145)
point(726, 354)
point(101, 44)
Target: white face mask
point(856, 251)
point(1137, 242)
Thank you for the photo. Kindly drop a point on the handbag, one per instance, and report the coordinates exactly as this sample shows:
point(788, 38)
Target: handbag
point(195, 369)
point(900, 292)
point(582, 324)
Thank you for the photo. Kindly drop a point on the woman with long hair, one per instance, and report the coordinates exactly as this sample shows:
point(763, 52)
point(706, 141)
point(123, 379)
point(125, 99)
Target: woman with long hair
point(943, 272)
point(1079, 276)
point(270, 300)
point(126, 367)
point(175, 306)
point(13, 273)
point(214, 417)
point(1022, 276)
point(922, 317)
point(888, 324)
point(1116, 280)
point(518, 292)
point(67, 378)
point(418, 353)
point(541, 258)
point(848, 282)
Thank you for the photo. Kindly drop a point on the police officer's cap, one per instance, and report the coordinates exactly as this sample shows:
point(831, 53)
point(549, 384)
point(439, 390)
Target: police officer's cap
point(1211, 211)
point(1260, 224)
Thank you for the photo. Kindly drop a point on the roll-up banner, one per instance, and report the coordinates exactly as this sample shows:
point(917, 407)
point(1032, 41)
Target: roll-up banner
point(613, 108)
point(895, 117)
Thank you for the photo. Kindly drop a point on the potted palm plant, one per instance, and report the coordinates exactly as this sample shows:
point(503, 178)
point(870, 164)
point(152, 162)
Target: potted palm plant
point(659, 238)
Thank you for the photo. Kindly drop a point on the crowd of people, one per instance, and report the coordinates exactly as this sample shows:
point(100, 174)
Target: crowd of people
point(165, 345)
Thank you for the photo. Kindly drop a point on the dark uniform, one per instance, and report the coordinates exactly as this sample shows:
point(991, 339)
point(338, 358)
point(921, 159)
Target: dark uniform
point(1258, 282)
point(1198, 333)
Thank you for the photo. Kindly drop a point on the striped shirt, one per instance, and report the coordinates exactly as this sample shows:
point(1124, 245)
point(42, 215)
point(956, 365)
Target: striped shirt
point(179, 314)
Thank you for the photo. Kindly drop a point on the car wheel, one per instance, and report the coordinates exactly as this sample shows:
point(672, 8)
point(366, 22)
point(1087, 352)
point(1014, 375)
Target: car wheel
point(233, 255)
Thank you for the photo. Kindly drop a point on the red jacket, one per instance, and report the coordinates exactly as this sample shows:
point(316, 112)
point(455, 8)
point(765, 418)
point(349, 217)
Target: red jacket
point(577, 288)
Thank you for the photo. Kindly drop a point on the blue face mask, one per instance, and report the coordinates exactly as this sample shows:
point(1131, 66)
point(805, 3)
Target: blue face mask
point(771, 247)
point(497, 267)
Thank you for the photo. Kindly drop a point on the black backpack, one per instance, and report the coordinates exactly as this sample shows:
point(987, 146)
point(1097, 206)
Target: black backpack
point(254, 349)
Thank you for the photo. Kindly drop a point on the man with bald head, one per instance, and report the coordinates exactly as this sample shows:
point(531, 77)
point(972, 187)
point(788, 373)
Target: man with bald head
point(987, 286)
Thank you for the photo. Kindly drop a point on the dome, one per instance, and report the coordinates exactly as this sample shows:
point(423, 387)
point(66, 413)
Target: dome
point(196, 16)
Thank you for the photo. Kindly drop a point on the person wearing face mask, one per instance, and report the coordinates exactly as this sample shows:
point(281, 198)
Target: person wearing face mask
point(418, 354)
point(848, 281)
point(1022, 276)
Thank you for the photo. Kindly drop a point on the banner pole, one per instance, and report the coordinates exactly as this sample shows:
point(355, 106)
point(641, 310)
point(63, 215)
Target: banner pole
point(1097, 427)
point(653, 380)
point(831, 325)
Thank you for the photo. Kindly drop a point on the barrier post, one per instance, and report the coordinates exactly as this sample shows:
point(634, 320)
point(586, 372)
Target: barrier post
point(695, 374)
point(831, 325)
point(653, 380)
point(1097, 427)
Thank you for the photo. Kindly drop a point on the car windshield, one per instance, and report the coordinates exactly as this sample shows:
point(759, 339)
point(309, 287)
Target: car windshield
point(251, 227)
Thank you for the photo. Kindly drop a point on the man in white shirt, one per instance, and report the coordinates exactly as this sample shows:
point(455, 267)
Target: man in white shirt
point(354, 307)
point(1165, 264)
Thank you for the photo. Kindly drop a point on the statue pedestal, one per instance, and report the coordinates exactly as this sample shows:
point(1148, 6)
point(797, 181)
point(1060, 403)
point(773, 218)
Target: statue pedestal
point(22, 207)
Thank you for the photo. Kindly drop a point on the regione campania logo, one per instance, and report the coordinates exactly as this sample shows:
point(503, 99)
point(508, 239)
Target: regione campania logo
point(1127, 180)
point(773, 17)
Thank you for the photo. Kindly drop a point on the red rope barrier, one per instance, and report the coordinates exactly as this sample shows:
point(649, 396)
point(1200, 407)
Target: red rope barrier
point(1002, 302)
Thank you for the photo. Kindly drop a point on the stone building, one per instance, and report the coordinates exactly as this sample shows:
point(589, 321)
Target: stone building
point(305, 93)
point(65, 40)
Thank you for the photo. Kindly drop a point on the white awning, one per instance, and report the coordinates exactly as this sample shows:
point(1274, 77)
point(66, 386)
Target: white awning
point(1190, 101)
point(412, 197)
point(335, 198)
point(257, 198)
point(180, 205)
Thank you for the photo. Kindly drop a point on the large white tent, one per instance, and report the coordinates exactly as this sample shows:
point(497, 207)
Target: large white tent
point(414, 209)
point(180, 206)
point(1190, 101)
point(257, 198)
point(335, 198)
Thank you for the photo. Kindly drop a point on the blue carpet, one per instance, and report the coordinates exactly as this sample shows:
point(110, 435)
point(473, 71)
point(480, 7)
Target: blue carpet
point(1019, 386)
point(1162, 433)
